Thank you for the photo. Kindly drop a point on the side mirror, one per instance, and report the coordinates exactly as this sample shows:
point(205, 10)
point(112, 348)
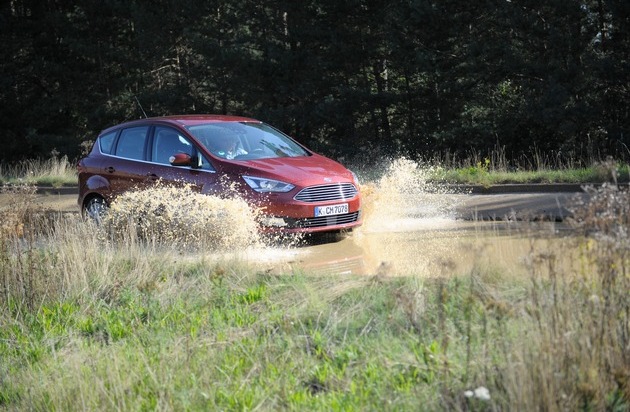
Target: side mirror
point(181, 159)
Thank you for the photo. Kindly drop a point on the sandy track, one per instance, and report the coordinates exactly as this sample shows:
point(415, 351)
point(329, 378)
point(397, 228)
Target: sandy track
point(512, 206)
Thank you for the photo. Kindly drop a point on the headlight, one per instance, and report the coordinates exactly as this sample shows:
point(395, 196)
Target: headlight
point(263, 185)
point(355, 178)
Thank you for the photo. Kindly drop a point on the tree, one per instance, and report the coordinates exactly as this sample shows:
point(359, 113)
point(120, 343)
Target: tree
point(418, 76)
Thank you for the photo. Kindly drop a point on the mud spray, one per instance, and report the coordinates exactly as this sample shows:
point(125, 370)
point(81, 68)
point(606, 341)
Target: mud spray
point(409, 227)
point(400, 199)
point(180, 217)
point(404, 199)
point(405, 215)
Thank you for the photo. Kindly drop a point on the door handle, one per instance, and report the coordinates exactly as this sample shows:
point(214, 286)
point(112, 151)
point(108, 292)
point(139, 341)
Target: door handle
point(110, 169)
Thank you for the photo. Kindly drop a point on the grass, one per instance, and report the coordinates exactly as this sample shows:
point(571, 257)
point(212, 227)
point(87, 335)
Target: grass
point(473, 169)
point(87, 322)
point(495, 168)
point(55, 172)
point(479, 176)
point(482, 174)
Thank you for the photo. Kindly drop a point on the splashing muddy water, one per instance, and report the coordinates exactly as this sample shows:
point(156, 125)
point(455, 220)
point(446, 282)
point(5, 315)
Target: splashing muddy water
point(411, 227)
point(183, 218)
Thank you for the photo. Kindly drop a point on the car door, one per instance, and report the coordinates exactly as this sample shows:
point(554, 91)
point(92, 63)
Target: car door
point(166, 143)
point(125, 168)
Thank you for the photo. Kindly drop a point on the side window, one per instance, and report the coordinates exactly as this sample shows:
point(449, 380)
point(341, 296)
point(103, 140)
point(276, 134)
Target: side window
point(168, 142)
point(131, 142)
point(106, 142)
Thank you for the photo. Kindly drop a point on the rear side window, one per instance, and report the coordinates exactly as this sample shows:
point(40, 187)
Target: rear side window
point(132, 142)
point(106, 142)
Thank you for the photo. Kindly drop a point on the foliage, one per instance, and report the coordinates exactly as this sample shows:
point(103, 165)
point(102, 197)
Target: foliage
point(479, 176)
point(343, 77)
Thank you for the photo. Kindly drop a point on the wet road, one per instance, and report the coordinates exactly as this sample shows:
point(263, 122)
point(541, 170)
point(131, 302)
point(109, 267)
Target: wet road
point(518, 206)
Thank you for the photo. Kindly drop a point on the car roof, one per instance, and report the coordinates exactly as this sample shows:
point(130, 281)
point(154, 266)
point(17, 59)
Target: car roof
point(184, 120)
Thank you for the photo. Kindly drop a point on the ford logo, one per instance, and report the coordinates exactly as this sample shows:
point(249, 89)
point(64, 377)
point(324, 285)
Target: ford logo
point(327, 179)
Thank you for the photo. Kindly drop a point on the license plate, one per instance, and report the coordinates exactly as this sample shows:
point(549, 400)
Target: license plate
point(331, 210)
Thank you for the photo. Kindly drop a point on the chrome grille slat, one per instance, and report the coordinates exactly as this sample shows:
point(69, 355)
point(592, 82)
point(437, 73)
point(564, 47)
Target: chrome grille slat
point(326, 193)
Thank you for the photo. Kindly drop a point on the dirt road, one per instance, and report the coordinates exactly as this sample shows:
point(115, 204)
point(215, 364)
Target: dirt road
point(498, 206)
point(519, 206)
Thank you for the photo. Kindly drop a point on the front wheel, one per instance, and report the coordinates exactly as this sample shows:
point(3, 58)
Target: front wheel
point(95, 209)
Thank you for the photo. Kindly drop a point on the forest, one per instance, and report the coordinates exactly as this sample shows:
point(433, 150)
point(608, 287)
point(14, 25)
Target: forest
point(346, 78)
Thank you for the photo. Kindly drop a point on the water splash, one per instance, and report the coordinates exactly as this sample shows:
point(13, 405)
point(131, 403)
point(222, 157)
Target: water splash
point(402, 199)
point(181, 217)
point(405, 198)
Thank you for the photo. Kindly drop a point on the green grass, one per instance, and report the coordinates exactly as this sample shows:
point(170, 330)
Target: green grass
point(223, 349)
point(483, 176)
point(242, 341)
point(89, 323)
point(495, 168)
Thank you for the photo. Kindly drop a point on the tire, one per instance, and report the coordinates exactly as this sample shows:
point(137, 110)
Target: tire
point(95, 209)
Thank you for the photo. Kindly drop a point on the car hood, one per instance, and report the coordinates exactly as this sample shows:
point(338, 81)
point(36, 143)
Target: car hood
point(301, 171)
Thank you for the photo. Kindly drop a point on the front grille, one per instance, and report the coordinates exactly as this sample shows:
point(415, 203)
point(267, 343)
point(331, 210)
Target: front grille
point(325, 193)
point(323, 221)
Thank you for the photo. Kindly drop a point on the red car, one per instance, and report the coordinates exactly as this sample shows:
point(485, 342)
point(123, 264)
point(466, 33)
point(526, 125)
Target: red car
point(299, 191)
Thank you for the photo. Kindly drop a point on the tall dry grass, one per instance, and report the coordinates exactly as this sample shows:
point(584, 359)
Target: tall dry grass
point(55, 171)
point(574, 353)
point(499, 160)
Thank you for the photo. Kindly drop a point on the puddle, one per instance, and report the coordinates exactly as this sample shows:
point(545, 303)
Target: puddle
point(456, 248)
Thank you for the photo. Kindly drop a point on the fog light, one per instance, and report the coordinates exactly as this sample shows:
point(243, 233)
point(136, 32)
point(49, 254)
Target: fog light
point(273, 221)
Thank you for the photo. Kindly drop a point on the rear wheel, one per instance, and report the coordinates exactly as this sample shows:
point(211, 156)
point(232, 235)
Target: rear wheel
point(94, 209)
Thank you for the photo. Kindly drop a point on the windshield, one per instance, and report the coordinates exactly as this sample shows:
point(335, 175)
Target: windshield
point(245, 141)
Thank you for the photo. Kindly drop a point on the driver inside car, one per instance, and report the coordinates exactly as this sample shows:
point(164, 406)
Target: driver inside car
point(227, 145)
